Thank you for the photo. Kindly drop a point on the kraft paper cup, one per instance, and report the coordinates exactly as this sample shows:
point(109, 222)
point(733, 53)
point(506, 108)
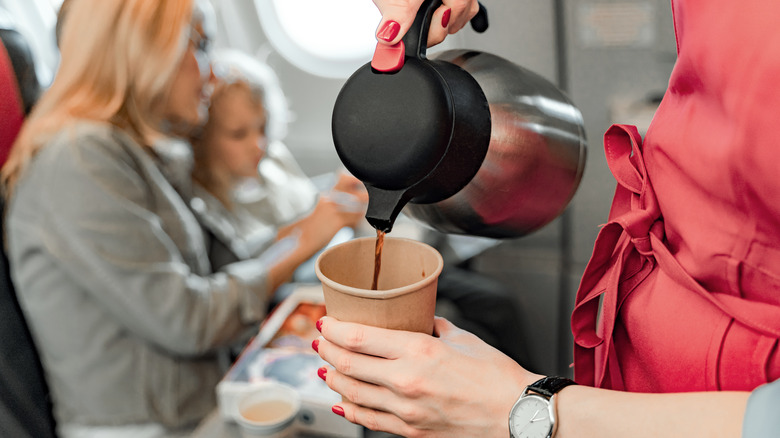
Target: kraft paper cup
point(406, 295)
point(269, 411)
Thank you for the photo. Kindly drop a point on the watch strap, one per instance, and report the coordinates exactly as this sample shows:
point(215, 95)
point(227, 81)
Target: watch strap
point(550, 385)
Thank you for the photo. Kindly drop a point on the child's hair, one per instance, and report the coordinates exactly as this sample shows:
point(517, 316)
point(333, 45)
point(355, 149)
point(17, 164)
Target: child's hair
point(241, 66)
point(226, 84)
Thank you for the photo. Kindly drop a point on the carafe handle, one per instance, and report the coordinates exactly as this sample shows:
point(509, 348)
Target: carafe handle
point(416, 39)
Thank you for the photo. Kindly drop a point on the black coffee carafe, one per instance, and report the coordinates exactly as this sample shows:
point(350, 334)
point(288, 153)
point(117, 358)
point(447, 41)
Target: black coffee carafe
point(468, 142)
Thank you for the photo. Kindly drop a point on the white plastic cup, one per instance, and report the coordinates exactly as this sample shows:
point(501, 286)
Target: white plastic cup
point(269, 411)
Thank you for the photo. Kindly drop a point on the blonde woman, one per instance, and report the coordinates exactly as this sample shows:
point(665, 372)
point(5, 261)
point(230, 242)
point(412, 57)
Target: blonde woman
point(228, 152)
point(109, 263)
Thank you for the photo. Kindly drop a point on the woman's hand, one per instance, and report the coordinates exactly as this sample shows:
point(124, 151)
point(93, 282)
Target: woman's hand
point(351, 197)
point(318, 228)
point(417, 385)
point(343, 206)
point(347, 183)
point(398, 16)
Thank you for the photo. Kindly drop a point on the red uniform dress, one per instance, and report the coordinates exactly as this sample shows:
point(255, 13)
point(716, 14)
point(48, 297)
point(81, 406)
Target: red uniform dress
point(686, 274)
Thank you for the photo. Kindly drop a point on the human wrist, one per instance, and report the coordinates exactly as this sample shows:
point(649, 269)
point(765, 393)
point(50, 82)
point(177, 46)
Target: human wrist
point(534, 413)
point(568, 398)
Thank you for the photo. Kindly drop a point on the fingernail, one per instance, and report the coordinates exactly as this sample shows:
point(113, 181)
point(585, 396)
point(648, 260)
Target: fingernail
point(338, 410)
point(318, 324)
point(322, 372)
point(445, 18)
point(389, 31)
point(315, 344)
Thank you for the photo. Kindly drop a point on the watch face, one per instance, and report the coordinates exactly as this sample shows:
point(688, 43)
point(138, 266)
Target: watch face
point(530, 418)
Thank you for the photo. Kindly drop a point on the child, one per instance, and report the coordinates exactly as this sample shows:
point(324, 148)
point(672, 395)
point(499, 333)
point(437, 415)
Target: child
point(227, 154)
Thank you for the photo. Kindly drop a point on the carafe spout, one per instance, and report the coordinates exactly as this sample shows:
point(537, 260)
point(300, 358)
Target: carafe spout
point(384, 206)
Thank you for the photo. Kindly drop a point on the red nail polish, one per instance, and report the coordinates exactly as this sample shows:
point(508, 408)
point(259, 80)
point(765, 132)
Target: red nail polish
point(445, 18)
point(389, 31)
point(338, 410)
point(315, 344)
point(322, 372)
point(318, 324)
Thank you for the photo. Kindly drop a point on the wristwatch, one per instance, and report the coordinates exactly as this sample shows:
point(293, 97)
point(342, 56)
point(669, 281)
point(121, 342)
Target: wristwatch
point(533, 415)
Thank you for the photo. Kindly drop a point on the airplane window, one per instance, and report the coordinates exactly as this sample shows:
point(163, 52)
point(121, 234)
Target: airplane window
point(331, 39)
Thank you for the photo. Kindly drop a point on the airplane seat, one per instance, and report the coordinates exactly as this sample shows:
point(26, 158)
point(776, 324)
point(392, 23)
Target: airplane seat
point(25, 405)
point(11, 105)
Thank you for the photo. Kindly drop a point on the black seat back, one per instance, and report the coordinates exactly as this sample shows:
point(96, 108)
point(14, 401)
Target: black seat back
point(25, 406)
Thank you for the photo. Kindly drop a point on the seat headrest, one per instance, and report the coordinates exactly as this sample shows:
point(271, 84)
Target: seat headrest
point(23, 63)
point(11, 107)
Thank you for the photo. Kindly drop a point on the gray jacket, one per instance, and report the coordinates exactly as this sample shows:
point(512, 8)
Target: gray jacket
point(236, 235)
point(111, 271)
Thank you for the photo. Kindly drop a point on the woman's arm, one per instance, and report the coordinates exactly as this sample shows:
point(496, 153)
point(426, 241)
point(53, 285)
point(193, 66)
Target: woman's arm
point(589, 412)
point(456, 385)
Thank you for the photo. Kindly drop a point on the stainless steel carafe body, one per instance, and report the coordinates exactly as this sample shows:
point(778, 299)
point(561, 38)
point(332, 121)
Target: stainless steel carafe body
point(534, 161)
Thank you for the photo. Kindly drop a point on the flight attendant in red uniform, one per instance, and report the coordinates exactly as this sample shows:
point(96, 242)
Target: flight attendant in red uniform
point(677, 318)
point(696, 303)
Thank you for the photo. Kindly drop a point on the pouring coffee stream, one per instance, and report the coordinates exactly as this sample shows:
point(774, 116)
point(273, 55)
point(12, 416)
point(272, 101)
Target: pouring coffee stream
point(380, 242)
point(467, 142)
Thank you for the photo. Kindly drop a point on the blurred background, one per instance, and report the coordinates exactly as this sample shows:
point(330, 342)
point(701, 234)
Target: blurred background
point(613, 59)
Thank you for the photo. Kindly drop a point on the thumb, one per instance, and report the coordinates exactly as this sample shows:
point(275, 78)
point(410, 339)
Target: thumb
point(397, 18)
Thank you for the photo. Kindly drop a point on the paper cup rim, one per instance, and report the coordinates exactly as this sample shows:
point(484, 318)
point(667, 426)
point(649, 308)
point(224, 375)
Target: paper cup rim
point(381, 294)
